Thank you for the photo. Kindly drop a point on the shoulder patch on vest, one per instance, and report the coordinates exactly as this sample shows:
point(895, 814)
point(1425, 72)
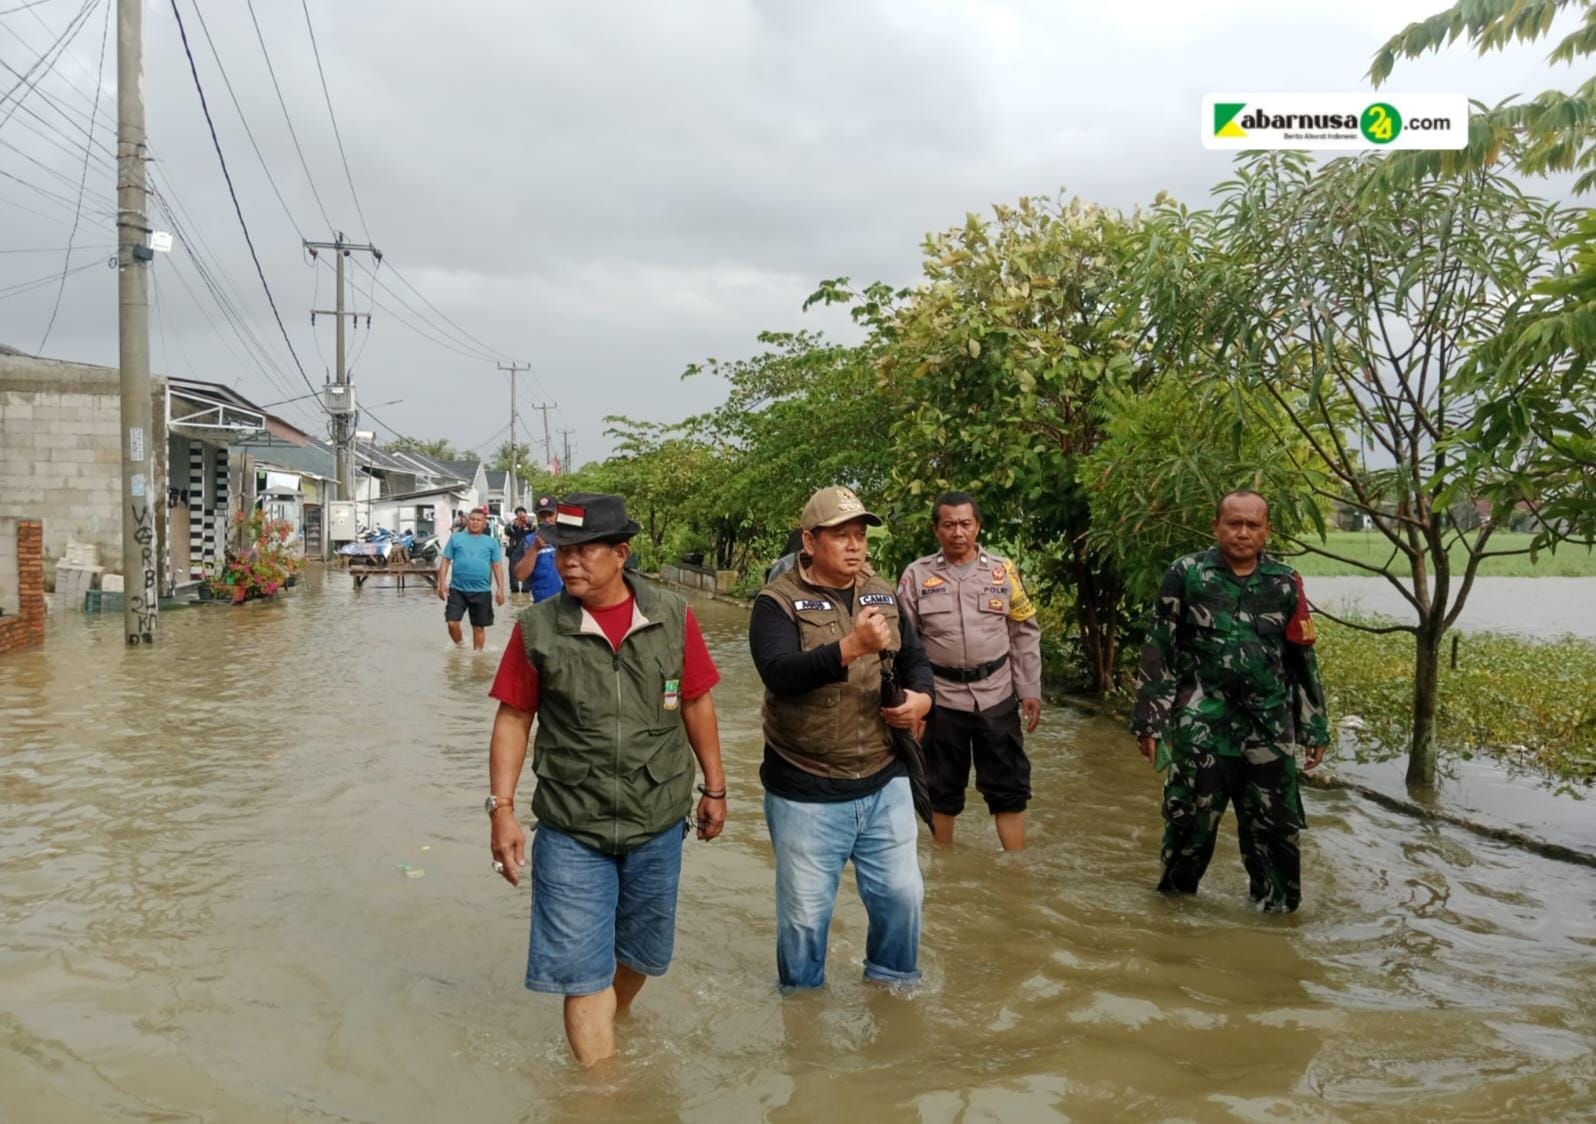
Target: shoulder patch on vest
point(877, 599)
point(806, 605)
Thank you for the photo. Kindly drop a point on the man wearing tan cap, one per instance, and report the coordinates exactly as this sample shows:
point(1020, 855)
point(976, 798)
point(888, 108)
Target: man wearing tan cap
point(834, 789)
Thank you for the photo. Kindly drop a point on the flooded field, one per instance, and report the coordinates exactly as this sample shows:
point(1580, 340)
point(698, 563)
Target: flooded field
point(246, 878)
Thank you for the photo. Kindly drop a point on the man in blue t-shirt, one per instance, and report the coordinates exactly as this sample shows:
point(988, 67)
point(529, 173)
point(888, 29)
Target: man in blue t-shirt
point(471, 578)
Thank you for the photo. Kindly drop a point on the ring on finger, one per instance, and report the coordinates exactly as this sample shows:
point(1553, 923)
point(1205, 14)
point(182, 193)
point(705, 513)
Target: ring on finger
point(498, 867)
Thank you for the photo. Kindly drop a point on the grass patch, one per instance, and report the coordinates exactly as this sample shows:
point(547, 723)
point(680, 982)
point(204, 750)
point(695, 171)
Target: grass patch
point(1525, 701)
point(1371, 547)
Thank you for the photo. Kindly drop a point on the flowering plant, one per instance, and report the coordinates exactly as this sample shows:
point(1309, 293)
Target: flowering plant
point(263, 561)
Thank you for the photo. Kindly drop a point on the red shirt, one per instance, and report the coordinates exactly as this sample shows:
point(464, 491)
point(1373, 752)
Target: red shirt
point(516, 683)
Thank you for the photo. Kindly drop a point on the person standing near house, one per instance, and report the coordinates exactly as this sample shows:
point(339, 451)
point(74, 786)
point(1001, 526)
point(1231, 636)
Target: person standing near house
point(471, 578)
point(619, 677)
point(980, 633)
point(536, 568)
point(522, 536)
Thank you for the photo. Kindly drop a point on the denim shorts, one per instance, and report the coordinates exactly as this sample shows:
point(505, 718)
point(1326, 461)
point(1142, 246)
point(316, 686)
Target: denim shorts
point(591, 911)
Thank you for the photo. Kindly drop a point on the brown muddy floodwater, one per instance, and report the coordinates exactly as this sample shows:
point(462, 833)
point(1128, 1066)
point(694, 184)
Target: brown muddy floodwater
point(246, 878)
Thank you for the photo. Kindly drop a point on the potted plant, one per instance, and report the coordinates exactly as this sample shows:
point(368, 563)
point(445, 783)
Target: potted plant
point(263, 562)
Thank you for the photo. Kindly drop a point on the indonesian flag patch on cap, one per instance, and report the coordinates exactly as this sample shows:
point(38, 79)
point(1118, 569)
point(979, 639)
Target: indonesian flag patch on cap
point(569, 515)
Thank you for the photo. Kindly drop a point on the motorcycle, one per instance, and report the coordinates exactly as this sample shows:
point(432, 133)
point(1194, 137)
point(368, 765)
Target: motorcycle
point(372, 548)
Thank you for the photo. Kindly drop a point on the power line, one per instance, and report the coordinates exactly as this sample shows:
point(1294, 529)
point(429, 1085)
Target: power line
point(316, 51)
point(416, 315)
point(237, 209)
point(28, 286)
point(254, 348)
point(59, 249)
point(228, 82)
point(270, 69)
point(62, 42)
point(83, 180)
point(20, 7)
point(105, 153)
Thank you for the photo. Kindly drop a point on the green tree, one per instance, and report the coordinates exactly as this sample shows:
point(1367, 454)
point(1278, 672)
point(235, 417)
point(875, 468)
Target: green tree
point(1170, 452)
point(1555, 325)
point(523, 458)
point(1353, 303)
point(439, 449)
point(1004, 360)
point(800, 415)
point(1554, 131)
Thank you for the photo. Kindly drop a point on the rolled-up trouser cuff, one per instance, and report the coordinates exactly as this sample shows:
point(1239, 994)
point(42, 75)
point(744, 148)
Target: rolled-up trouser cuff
point(888, 975)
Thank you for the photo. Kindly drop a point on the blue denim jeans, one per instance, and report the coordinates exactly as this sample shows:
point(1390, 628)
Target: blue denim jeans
point(812, 843)
point(591, 911)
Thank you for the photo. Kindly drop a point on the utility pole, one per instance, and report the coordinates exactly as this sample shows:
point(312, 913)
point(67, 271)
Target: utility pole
point(548, 443)
point(141, 596)
point(565, 436)
point(341, 400)
point(511, 488)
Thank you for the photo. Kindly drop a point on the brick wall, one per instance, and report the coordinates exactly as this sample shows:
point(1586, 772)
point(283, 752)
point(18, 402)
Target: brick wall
point(27, 628)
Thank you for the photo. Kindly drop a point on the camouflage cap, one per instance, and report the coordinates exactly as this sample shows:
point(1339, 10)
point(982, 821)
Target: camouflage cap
point(831, 506)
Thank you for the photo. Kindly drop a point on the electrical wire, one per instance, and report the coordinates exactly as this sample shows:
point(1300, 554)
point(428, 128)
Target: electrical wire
point(77, 213)
point(409, 322)
point(28, 286)
point(228, 82)
point(20, 7)
point(270, 69)
point(62, 42)
point(316, 51)
point(237, 209)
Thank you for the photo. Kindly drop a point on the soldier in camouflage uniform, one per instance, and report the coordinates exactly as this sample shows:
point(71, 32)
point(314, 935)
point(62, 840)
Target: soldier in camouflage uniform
point(1229, 688)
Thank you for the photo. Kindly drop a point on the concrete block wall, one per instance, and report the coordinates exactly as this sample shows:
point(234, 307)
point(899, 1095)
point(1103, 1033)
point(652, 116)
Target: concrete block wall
point(26, 629)
point(61, 452)
point(10, 590)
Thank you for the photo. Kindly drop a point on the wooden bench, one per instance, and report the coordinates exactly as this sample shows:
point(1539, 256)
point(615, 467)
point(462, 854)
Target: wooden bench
point(400, 573)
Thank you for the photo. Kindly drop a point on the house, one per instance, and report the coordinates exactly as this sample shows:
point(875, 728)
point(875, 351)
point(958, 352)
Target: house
point(475, 475)
point(426, 512)
point(61, 460)
point(502, 497)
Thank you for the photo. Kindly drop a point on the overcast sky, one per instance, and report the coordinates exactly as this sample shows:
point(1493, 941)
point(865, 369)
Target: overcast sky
point(612, 191)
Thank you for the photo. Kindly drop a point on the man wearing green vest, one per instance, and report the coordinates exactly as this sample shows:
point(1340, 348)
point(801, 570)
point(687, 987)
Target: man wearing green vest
point(619, 676)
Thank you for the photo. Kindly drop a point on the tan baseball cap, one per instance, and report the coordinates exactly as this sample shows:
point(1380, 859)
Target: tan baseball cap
point(831, 506)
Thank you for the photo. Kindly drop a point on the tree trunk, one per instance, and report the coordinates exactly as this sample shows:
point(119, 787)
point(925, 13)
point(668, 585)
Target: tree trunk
point(1426, 693)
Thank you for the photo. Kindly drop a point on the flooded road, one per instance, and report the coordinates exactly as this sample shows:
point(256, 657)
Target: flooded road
point(246, 878)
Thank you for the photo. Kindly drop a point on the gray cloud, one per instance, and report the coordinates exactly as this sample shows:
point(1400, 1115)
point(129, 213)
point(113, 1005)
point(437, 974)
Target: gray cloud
point(612, 191)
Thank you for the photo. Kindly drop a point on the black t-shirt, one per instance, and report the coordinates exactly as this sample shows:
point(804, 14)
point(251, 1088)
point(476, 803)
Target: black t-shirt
point(787, 669)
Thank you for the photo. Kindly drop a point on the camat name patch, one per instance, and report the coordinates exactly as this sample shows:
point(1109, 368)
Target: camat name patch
point(812, 606)
point(877, 599)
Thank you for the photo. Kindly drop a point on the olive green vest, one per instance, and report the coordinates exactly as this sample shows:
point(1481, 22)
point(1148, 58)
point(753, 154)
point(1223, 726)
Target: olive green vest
point(613, 764)
point(835, 730)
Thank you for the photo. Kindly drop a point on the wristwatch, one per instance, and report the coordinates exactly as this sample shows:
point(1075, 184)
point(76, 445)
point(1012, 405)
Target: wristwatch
point(493, 803)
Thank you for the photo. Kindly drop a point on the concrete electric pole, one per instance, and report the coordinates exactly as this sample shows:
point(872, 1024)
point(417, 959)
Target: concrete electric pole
point(512, 486)
point(565, 437)
point(341, 399)
point(141, 596)
point(548, 444)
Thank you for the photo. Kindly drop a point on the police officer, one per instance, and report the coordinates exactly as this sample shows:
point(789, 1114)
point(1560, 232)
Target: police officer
point(1229, 687)
point(980, 632)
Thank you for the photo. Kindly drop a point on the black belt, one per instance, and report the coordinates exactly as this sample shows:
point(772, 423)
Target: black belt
point(970, 674)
